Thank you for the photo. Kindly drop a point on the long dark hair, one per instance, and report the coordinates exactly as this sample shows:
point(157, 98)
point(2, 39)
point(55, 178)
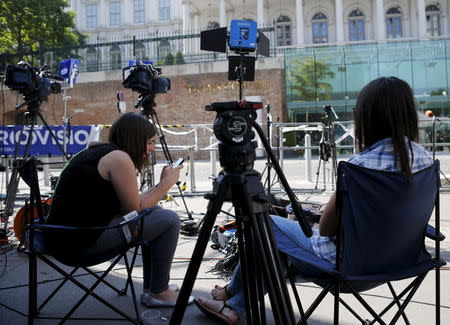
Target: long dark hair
point(385, 108)
point(130, 133)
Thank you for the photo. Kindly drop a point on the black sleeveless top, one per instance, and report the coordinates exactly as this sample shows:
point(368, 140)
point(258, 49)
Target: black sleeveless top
point(82, 198)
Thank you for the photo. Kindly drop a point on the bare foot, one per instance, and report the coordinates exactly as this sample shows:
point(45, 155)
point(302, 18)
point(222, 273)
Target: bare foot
point(217, 306)
point(167, 295)
point(220, 293)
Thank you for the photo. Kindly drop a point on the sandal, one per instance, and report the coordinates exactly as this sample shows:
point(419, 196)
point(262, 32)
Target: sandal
point(228, 295)
point(218, 316)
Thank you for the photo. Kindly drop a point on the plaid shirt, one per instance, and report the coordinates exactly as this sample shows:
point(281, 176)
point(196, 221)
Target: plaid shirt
point(379, 156)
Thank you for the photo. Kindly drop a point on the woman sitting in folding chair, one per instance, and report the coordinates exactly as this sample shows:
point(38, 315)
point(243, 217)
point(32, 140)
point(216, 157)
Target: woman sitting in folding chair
point(386, 124)
point(99, 186)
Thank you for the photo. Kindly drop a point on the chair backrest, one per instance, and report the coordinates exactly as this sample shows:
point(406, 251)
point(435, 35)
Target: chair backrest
point(384, 218)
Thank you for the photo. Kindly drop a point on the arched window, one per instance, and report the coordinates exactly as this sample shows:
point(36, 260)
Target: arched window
point(394, 28)
point(164, 48)
point(212, 25)
point(92, 60)
point(319, 28)
point(433, 13)
point(116, 57)
point(284, 31)
point(140, 51)
point(356, 26)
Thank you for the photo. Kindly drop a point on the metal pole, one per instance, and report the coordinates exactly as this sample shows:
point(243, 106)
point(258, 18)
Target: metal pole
point(191, 168)
point(308, 170)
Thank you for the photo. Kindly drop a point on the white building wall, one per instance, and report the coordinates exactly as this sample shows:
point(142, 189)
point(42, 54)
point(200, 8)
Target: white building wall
point(200, 12)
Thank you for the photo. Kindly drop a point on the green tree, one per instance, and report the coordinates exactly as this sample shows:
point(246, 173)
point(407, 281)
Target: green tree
point(169, 59)
point(30, 26)
point(179, 59)
point(309, 79)
point(309, 83)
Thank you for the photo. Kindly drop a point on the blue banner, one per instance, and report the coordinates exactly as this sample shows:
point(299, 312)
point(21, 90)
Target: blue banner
point(42, 143)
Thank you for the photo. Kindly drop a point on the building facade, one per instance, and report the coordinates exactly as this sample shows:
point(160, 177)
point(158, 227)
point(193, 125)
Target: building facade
point(297, 22)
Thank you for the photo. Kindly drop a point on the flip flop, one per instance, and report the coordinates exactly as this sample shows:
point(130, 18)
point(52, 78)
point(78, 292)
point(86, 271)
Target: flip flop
point(218, 316)
point(227, 293)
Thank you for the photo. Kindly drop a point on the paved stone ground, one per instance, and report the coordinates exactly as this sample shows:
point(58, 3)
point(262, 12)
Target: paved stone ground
point(13, 281)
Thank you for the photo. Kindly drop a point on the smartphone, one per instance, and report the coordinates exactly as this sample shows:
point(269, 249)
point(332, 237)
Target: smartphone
point(178, 162)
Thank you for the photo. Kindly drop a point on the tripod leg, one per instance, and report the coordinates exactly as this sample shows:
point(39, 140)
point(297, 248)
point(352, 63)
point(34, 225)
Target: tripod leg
point(318, 173)
point(214, 206)
point(248, 272)
point(266, 250)
point(53, 136)
point(165, 148)
point(13, 184)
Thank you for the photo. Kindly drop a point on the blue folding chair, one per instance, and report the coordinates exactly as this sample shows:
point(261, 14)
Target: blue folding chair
point(39, 247)
point(382, 220)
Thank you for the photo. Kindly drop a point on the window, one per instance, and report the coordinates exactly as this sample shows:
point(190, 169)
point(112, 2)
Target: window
point(91, 15)
point(139, 11)
point(140, 51)
point(319, 28)
point(356, 26)
point(433, 20)
point(163, 49)
point(116, 57)
point(212, 25)
point(284, 31)
point(114, 13)
point(91, 60)
point(394, 27)
point(164, 10)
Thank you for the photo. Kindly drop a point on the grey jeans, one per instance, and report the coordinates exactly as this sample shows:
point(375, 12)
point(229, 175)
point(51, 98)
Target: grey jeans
point(161, 229)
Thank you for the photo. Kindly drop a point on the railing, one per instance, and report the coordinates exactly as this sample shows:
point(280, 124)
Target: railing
point(198, 143)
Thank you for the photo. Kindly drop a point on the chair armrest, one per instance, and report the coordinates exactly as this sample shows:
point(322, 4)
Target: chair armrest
point(431, 233)
point(36, 226)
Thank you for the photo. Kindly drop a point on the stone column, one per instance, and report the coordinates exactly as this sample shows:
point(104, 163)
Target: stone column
point(260, 12)
point(422, 19)
point(186, 22)
point(127, 12)
point(185, 14)
point(103, 13)
point(299, 18)
point(196, 41)
point(222, 14)
point(339, 21)
point(379, 21)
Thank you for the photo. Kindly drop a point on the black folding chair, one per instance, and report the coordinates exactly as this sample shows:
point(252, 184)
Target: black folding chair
point(39, 247)
point(382, 221)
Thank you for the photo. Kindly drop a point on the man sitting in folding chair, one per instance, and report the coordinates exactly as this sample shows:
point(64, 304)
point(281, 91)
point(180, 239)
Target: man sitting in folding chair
point(386, 124)
point(97, 188)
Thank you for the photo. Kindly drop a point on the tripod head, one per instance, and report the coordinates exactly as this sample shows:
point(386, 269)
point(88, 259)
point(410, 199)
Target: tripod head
point(147, 104)
point(330, 115)
point(233, 127)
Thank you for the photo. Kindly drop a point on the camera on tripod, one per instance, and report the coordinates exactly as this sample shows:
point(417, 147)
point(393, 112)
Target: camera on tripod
point(233, 127)
point(144, 78)
point(32, 82)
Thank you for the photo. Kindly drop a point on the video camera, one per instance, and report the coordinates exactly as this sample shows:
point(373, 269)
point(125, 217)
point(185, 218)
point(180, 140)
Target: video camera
point(33, 82)
point(143, 77)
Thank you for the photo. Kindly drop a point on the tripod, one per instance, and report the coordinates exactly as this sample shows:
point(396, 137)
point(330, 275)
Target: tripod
point(11, 191)
point(241, 184)
point(268, 182)
point(327, 147)
point(147, 104)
